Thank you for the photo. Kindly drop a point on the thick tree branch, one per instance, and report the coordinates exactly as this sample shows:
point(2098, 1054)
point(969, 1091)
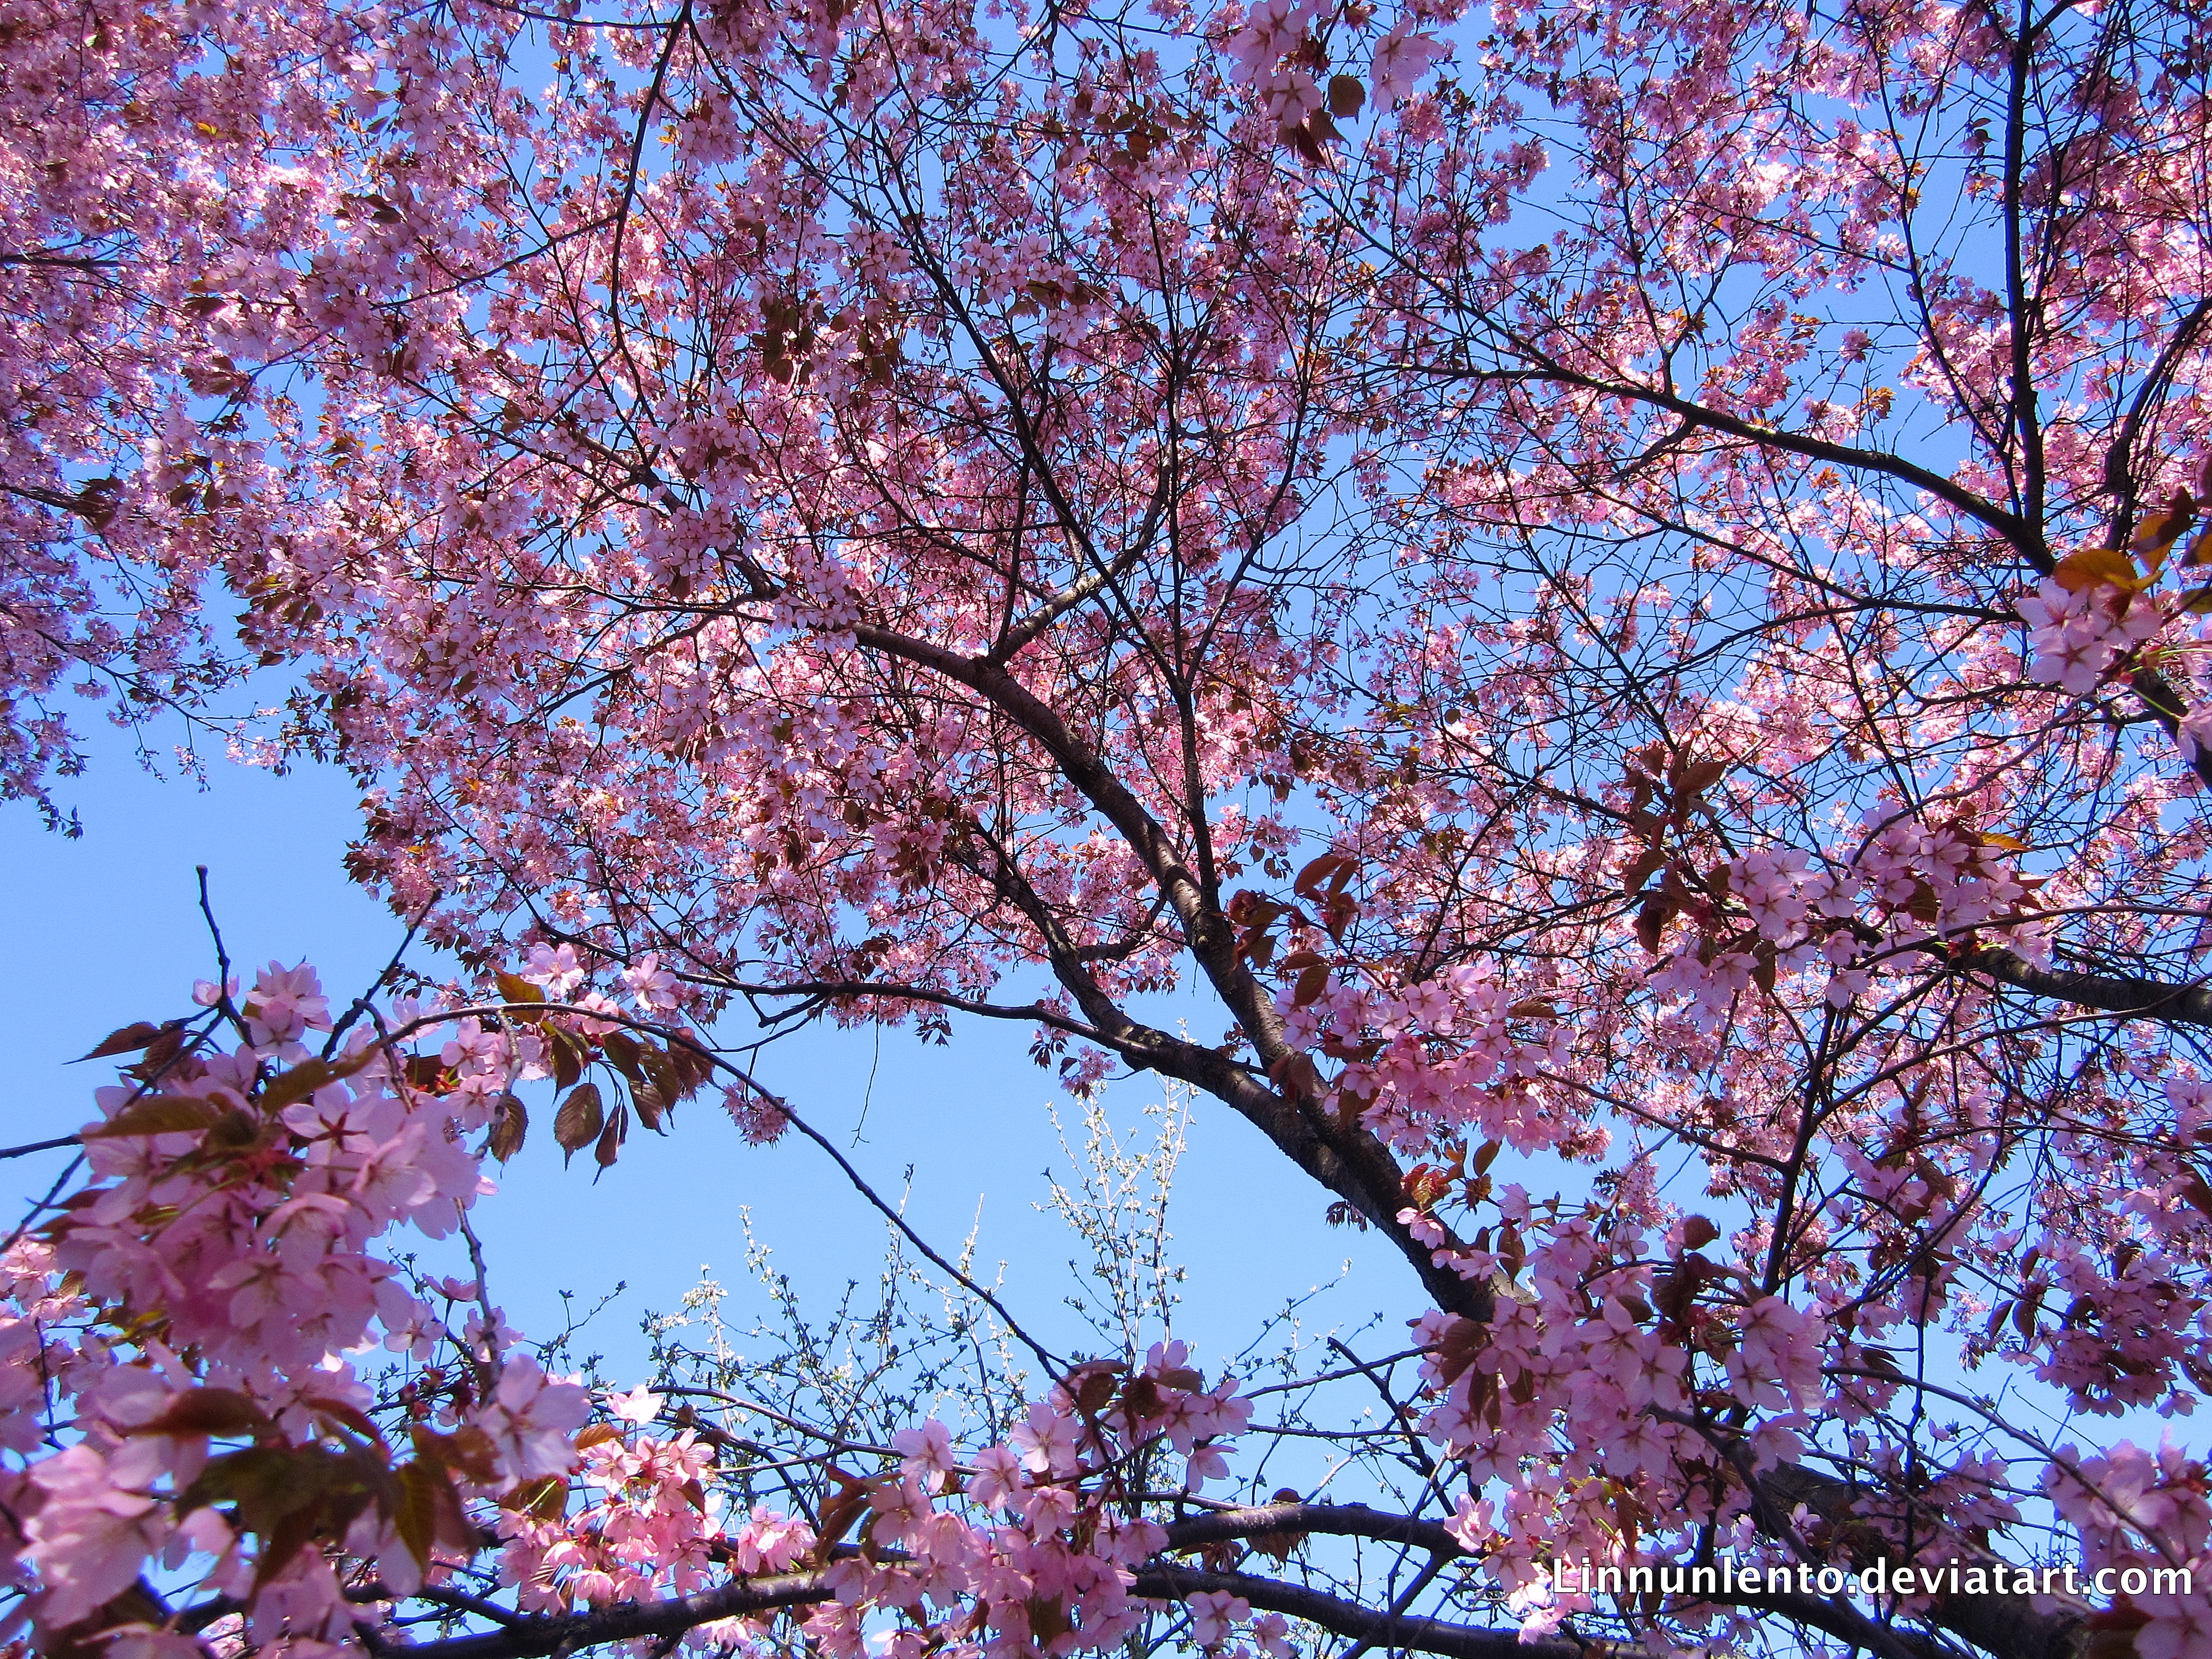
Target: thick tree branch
point(2115, 994)
point(1091, 583)
point(1407, 1632)
point(540, 1635)
point(2002, 1623)
point(1344, 1158)
point(1335, 1520)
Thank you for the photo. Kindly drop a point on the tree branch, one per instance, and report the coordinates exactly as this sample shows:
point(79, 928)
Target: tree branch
point(540, 1635)
point(2024, 538)
point(2116, 994)
point(1407, 1632)
point(1345, 1158)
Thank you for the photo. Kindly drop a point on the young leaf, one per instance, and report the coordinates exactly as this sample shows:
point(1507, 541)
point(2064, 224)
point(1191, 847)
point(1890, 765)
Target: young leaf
point(510, 1123)
point(162, 1115)
point(622, 1049)
point(568, 1054)
point(522, 992)
point(1640, 869)
point(611, 1138)
point(206, 1411)
point(580, 1119)
point(545, 1498)
point(286, 1088)
point(128, 1041)
point(2095, 567)
point(1333, 868)
point(424, 1493)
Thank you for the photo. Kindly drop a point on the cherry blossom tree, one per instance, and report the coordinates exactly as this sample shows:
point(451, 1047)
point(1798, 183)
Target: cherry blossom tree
point(182, 186)
point(1617, 588)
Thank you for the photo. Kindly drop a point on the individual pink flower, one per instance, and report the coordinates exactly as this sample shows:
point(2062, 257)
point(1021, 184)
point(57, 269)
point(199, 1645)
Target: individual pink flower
point(998, 1477)
point(1205, 1463)
point(653, 987)
point(928, 1453)
point(1215, 1615)
point(639, 1406)
point(554, 968)
point(1401, 58)
point(207, 993)
point(531, 1417)
point(1047, 1441)
point(285, 1004)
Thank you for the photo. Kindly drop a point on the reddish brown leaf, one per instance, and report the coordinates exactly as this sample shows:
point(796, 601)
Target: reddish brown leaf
point(581, 1119)
point(1092, 1385)
point(128, 1041)
point(545, 1498)
point(611, 1138)
point(1457, 1348)
point(1332, 869)
point(518, 991)
point(286, 1088)
point(510, 1124)
point(206, 1411)
point(163, 1114)
point(1640, 869)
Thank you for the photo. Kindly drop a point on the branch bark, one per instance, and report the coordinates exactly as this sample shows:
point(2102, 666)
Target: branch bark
point(2115, 994)
point(544, 1634)
point(1343, 1158)
point(2003, 1624)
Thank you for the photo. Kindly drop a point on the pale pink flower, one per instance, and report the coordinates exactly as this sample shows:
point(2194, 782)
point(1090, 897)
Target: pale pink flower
point(639, 1406)
point(927, 1451)
point(1214, 1616)
point(1047, 1441)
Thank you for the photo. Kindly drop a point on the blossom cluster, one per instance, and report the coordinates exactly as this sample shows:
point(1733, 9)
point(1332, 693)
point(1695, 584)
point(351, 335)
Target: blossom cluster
point(180, 1352)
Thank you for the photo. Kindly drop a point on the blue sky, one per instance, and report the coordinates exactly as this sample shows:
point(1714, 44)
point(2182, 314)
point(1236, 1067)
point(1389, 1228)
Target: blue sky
point(105, 929)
